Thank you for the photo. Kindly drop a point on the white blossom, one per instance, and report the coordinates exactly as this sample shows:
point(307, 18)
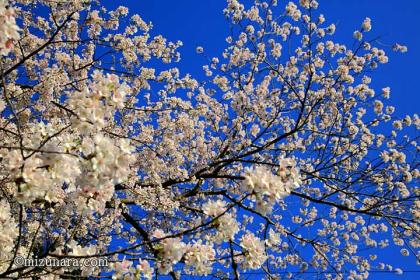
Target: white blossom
point(254, 251)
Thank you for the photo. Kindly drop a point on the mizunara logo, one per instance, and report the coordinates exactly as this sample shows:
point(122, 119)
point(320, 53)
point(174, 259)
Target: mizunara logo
point(64, 262)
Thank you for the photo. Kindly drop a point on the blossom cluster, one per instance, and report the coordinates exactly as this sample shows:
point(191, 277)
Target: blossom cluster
point(226, 223)
point(254, 251)
point(9, 31)
point(89, 162)
point(8, 232)
point(268, 188)
point(171, 250)
point(199, 258)
point(126, 270)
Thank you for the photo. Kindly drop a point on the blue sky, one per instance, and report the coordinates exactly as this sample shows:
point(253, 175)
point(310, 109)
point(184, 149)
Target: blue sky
point(202, 23)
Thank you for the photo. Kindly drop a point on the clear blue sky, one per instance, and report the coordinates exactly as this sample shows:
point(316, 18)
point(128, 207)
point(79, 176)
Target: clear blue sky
point(202, 23)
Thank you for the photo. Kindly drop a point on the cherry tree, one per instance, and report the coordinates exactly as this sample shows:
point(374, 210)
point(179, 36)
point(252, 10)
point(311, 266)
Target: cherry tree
point(283, 161)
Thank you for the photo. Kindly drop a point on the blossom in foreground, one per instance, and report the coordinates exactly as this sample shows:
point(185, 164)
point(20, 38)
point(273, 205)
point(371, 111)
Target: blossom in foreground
point(254, 251)
point(269, 188)
point(8, 232)
point(9, 31)
point(199, 258)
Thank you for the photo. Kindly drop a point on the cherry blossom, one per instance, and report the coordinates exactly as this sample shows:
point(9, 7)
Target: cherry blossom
point(9, 31)
point(285, 156)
